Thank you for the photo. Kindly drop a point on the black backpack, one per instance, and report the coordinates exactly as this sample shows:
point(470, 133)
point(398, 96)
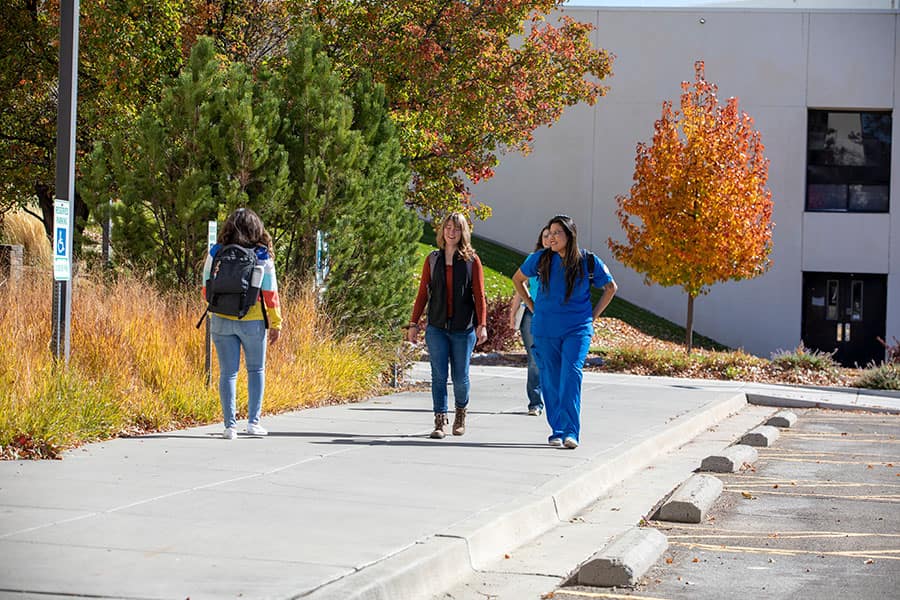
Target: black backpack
point(234, 282)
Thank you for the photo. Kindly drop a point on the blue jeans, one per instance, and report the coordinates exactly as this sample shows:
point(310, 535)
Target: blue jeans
point(533, 383)
point(229, 336)
point(455, 348)
point(561, 360)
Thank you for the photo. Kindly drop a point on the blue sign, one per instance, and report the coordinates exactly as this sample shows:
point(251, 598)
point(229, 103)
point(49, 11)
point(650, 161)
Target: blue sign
point(61, 242)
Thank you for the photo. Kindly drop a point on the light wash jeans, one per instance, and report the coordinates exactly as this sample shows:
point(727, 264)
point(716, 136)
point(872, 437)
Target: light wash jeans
point(533, 382)
point(229, 336)
point(455, 348)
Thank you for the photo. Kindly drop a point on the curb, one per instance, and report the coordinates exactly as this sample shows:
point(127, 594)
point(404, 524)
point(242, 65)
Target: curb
point(416, 572)
point(784, 402)
point(440, 561)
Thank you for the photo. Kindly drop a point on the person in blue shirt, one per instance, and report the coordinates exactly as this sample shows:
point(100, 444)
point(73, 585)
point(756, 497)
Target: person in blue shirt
point(563, 322)
point(520, 320)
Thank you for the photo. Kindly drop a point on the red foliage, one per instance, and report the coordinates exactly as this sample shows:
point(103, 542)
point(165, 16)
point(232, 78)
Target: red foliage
point(501, 337)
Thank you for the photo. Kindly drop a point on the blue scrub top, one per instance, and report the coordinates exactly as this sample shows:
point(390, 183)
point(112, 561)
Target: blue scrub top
point(553, 316)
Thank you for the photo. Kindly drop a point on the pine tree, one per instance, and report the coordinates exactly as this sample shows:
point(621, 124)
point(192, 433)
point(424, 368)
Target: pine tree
point(350, 182)
point(324, 152)
point(206, 147)
point(373, 289)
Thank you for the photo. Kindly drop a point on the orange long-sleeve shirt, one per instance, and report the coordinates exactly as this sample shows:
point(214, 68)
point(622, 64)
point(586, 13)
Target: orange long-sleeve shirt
point(477, 292)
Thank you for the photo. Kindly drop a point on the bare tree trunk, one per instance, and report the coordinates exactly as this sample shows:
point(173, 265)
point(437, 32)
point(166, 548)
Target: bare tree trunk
point(689, 326)
point(45, 201)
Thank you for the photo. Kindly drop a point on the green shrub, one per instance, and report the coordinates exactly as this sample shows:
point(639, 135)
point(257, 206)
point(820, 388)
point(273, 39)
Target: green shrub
point(803, 358)
point(884, 377)
point(651, 362)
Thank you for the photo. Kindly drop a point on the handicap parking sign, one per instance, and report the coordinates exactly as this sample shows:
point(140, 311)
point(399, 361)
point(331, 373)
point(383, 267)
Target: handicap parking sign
point(61, 258)
point(60, 242)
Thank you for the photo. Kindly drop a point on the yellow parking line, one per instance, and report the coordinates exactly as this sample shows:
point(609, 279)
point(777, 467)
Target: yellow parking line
point(606, 595)
point(876, 497)
point(869, 554)
point(800, 484)
point(779, 535)
point(872, 437)
point(826, 461)
point(776, 451)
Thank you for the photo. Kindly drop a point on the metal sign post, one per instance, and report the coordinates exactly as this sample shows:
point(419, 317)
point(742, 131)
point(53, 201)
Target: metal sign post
point(64, 206)
point(323, 261)
point(210, 241)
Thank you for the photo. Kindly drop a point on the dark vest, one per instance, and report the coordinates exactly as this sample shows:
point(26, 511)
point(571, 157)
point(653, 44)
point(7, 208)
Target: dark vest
point(463, 298)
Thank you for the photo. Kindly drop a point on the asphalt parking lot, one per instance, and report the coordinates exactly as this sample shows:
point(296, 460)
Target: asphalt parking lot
point(817, 516)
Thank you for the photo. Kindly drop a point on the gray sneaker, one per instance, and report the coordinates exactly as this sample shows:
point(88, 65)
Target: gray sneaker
point(535, 411)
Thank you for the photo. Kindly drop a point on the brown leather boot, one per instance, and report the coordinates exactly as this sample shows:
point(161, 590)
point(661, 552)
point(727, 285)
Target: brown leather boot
point(440, 419)
point(459, 421)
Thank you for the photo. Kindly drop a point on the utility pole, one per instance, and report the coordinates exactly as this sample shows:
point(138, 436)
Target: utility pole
point(64, 204)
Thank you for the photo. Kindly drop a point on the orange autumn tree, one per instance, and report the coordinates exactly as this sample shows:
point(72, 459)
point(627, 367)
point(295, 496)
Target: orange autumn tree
point(699, 211)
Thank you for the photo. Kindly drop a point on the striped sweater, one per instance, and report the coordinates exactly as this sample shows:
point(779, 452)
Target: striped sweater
point(269, 289)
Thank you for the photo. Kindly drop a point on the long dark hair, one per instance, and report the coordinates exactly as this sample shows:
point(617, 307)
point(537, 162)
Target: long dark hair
point(571, 260)
point(540, 243)
point(245, 228)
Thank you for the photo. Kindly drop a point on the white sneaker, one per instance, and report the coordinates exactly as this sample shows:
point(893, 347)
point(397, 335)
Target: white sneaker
point(555, 442)
point(534, 412)
point(256, 429)
point(570, 443)
point(229, 434)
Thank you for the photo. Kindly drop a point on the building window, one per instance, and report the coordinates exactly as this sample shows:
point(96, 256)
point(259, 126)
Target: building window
point(848, 161)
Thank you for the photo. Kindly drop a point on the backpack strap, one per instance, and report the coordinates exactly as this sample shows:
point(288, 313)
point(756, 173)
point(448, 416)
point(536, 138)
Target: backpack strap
point(432, 261)
point(203, 316)
point(589, 257)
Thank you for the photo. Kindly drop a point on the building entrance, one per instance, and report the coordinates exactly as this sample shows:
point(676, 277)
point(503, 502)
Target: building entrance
point(845, 313)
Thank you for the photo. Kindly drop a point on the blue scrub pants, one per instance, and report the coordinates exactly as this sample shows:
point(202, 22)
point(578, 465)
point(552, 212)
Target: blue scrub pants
point(533, 382)
point(561, 360)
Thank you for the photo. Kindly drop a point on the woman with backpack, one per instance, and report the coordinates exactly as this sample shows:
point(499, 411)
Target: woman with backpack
point(242, 259)
point(452, 288)
point(563, 322)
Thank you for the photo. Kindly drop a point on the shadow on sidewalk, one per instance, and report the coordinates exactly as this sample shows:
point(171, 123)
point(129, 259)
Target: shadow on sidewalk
point(425, 441)
point(344, 439)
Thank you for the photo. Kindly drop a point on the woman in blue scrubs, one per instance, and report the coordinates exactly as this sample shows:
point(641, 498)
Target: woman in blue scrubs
point(563, 322)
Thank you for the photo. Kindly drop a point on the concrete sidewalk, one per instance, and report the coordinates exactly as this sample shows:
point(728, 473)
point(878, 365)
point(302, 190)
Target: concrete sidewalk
point(350, 501)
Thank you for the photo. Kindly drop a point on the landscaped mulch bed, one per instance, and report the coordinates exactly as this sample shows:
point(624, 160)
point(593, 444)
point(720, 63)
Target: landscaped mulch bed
point(613, 334)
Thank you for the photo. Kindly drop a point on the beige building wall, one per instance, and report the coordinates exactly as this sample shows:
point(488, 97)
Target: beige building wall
point(779, 64)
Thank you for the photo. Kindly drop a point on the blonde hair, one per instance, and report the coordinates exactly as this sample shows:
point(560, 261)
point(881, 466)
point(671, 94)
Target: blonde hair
point(464, 247)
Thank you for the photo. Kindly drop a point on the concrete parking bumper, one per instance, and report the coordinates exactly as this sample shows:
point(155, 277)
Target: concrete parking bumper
point(625, 559)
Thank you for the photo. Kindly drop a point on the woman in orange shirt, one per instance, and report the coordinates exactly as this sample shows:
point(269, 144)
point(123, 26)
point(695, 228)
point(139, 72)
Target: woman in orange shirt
point(457, 317)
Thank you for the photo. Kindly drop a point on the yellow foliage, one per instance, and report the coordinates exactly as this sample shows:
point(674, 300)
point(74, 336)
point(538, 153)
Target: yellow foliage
point(21, 228)
point(137, 364)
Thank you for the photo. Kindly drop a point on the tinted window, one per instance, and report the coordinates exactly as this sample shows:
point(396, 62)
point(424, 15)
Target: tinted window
point(848, 161)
